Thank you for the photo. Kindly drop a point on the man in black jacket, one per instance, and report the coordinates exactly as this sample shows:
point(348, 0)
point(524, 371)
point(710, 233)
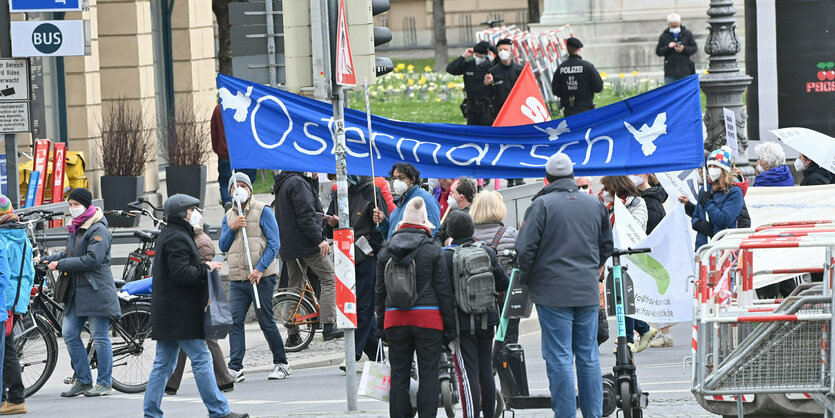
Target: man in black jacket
point(178, 298)
point(676, 45)
point(501, 79)
point(303, 244)
point(478, 106)
point(575, 81)
point(368, 242)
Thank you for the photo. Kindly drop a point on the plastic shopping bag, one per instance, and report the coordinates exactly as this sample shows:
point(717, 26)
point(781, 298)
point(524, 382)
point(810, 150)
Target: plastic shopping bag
point(217, 317)
point(376, 377)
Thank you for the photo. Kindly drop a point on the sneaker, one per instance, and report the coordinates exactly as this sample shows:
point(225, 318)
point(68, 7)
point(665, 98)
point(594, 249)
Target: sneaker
point(280, 371)
point(646, 338)
point(342, 366)
point(98, 390)
point(9, 408)
point(236, 415)
point(77, 389)
point(238, 375)
point(663, 340)
point(69, 380)
point(227, 387)
point(630, 345)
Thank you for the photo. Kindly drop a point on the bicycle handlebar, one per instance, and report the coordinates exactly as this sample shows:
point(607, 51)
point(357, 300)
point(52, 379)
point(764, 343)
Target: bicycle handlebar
point(41, 215)
point(628, 251)
point(142, 200)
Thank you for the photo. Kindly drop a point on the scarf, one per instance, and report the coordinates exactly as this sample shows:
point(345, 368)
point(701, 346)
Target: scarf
point(611, 206)
point(9, 217)
point(421, 227)
point(75, 226)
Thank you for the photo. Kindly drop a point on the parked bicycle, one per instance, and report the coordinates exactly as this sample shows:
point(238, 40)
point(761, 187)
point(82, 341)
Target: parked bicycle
point(139, 262)
point(33, 222)
point(38, 330)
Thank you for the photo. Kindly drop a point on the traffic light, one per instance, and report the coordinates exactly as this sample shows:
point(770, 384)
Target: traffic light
point(365, 37)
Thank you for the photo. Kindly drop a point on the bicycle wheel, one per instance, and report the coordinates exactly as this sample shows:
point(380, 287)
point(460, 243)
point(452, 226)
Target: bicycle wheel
point(299, 324)
point(37, 348)
point(133, 349)
point(446, 397)
point(129, 274)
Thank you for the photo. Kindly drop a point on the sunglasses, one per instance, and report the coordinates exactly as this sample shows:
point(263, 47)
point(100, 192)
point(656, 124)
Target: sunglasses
point(584, 187)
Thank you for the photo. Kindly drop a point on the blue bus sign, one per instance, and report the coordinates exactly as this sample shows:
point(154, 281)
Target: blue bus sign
point(26, 6)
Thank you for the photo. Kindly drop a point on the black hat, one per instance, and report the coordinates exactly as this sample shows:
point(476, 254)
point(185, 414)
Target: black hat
point(459, 225)
point(574, 42)
point(82, 196)
point(481, 47)
point(504, 41)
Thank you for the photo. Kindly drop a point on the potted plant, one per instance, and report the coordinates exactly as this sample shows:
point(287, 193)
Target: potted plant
point(186, 147)
point(127, 149)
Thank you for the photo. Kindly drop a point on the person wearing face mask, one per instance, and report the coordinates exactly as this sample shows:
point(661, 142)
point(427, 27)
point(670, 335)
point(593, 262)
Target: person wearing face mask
point(676, 44)
point(405, 187)
point(813, 174)
point(178, 299)
point(575, 81)
point(91, 297)
point(771, 168)
point(263, 237)
point(477, 106)
point(368, 240)
point(500, 80)
point(721, 204)
point(225, 381)
point(461, 195)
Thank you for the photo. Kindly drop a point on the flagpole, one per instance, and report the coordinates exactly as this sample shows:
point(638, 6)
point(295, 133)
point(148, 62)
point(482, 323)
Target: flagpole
point(246, 247)
point(370, 147)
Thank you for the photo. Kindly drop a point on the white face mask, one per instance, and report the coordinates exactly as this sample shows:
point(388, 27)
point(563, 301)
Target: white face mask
point(451, 202)
point(399, 187)
point(638, 180)
point(798, 165)
point(504, 55)
point(241, 195)
point(714, 173)
point(77, 211)
point(607, 198)
point(675, 30)
point(480, 60)
point(760, 168)
point(196, 219)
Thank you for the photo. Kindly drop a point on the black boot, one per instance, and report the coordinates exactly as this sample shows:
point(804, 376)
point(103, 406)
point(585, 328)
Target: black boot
point(329, 333)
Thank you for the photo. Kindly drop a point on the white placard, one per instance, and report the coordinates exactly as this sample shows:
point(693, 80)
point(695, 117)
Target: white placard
point(730, 130)
point(680, 183)
point(48, 38)
point(14, 117)
point(14, 79)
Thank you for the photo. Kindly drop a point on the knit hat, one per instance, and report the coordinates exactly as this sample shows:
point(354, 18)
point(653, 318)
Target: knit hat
point(5, 205)
point(482, 47)
point(559, 165)
point(415, 214)
point(82, 196)
point(240, 177)
point(459, 224)
point(176, 207)
point(720, 158)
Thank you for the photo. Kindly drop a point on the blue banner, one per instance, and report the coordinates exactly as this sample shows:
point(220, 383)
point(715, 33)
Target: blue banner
point(657, 131)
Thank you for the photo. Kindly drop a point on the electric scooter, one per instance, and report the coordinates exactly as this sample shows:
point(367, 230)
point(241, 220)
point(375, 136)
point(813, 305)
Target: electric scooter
point(629, 397)
point(509, 359)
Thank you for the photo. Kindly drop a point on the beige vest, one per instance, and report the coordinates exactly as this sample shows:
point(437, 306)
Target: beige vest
point(236, 256)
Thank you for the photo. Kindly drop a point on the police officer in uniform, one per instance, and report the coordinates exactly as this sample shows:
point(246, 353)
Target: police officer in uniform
point(478, 106)
point(501, 79)
point(576, 81)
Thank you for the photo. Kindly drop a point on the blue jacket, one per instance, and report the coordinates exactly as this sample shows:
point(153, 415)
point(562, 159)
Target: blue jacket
point(18, 259)
point(775, 177)
point(723, 210)
point(433, 210)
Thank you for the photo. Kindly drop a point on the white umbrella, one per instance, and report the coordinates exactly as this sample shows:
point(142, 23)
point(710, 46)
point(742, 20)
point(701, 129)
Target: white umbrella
point(816, 146)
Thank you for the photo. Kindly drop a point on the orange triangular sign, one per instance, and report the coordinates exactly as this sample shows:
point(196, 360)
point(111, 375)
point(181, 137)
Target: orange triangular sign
point(345, 74)
point(524, 104)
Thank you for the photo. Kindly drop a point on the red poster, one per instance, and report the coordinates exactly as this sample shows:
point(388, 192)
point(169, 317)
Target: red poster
point(41, 160)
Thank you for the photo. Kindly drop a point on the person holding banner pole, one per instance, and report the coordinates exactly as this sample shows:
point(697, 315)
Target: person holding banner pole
point(249, 231)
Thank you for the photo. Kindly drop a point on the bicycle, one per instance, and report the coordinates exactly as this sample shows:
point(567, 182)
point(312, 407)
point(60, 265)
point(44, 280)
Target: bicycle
point(38, 330)
point(299, 313)
point(139, 262)
point(39, 247)
point(629, 397)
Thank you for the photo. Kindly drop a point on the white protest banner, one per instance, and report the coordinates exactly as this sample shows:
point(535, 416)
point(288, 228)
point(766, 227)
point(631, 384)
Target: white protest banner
point(730, 130)
point(661, 278)
point(680, 183)
point(787, 204)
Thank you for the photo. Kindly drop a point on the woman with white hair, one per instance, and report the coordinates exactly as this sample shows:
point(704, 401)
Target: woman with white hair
point(772, 170)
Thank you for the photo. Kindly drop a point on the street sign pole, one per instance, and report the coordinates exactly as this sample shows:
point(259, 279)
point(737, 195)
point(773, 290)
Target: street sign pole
point(9, 140)
point(271, 65)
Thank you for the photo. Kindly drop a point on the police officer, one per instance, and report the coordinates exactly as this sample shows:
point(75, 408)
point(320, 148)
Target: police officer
point(501, 79)
point(576, 81)
point(477, 107)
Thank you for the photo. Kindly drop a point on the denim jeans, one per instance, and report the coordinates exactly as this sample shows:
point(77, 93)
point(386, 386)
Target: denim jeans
point(201, 365)
point(224, 173)
point(569, 335)
point(240, 298)
point(633, 325)
point(99, 325)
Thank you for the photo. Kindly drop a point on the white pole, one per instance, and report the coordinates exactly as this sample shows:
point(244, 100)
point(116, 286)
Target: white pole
point(246, 246)
point(370, 146)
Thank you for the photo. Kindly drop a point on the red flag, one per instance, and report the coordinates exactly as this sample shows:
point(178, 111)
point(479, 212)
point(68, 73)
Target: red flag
point(525, 104)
